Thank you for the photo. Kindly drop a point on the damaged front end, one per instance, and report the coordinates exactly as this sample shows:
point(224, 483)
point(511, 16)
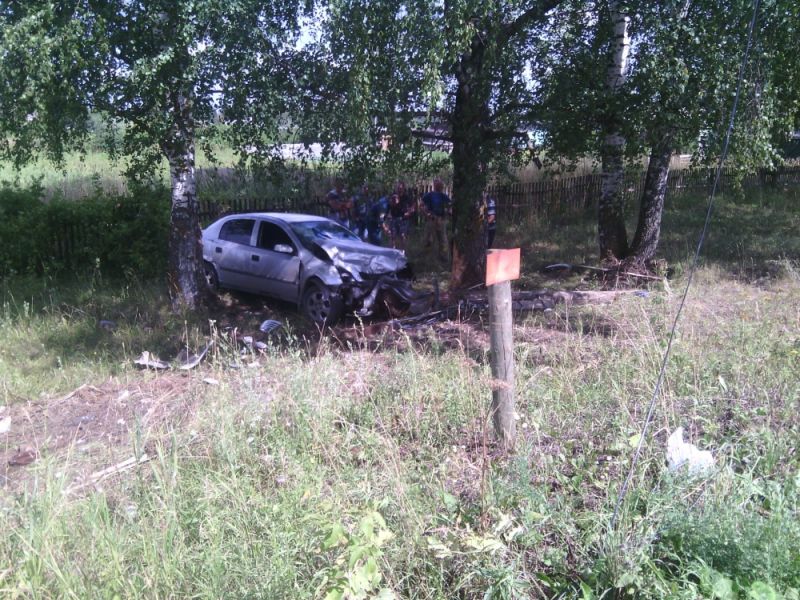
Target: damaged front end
point(374, 281)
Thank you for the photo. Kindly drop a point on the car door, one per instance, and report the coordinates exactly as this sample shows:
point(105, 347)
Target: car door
point(231, 252)
point(274, 262)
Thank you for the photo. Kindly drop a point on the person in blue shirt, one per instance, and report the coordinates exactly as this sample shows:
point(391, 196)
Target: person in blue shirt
point(437, 208)
point(375, 219)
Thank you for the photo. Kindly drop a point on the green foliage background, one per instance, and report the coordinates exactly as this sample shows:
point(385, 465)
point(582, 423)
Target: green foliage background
point(121, 234)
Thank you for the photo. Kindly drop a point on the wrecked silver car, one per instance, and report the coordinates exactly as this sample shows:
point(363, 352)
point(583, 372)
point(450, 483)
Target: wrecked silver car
point(305, 259)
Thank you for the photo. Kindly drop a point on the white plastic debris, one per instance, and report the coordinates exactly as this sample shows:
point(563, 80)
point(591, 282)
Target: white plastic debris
point(681, 455)
point(5, 424)
point(150, 361)
point(190, 361)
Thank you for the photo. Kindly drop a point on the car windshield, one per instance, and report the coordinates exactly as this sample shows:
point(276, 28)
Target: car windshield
point(311, 232)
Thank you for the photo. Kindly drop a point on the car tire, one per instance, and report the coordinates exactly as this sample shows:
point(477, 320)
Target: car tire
point(321, 304)
point(210, 271)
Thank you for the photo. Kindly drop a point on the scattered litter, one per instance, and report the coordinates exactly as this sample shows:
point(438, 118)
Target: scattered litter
point(190, 361)
point(248, 340)
point(22, 457)
point(150, 361)
point(270, 325)
point(680, 454)
point(211, 381)
point(121, 422)
point(5, 424)
point(641, 294)
point(99, 476)
point(260, 346)
point(123, 395)
point(568, 268)
point(107, 325)
point(131, 511)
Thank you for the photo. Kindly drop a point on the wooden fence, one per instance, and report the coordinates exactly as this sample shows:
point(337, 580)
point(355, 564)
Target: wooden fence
point(521, 200)
point(518, 201)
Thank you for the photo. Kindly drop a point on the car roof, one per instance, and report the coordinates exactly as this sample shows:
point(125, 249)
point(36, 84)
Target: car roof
point(287, 217)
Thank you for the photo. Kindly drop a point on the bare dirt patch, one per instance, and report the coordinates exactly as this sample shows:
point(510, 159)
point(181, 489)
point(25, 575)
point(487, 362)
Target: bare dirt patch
point(94, 426)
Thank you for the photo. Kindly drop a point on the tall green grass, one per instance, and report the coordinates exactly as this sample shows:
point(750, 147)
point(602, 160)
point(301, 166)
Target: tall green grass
point(337, 471)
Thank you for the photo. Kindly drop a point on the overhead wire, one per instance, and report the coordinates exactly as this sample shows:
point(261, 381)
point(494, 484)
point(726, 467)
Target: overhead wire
point(662, 372)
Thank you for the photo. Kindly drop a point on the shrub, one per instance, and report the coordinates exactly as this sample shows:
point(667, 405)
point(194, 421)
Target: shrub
point(122, 234)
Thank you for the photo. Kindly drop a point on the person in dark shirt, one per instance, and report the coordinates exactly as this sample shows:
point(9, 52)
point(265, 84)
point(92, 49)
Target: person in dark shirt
point(339, 204)
point(490, 217)
point(437, 208)
point(397, 221)
point(398, 216)
point(361, 201)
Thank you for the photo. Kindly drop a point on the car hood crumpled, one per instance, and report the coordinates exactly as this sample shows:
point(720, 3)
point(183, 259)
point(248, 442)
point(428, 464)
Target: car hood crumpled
point(364, 258)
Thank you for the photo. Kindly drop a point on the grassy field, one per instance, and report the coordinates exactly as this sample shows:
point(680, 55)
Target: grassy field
point(83, 175)
point(356, 466)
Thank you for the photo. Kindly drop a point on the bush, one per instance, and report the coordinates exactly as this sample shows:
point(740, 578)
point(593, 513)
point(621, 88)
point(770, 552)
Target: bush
point(122, 234)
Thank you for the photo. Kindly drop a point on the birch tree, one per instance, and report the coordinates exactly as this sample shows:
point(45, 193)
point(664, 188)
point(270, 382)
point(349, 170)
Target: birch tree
point(612, 235)
point(674, 89)
point(161, 69)
point(462, 62)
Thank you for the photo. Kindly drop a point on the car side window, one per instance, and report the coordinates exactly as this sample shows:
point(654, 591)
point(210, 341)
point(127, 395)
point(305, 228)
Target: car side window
point(237, 230)
point(270, 235)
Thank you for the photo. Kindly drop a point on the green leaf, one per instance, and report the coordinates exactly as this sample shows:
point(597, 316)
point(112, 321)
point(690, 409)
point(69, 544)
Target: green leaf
point(336, 536)
point(586, 591)
point(762, 591)
point(722, 588)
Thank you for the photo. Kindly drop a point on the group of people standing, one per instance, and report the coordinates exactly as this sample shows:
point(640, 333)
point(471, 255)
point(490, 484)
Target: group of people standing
point(371, 217)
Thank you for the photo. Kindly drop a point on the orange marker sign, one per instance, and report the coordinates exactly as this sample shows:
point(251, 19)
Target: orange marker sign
point(502, 265)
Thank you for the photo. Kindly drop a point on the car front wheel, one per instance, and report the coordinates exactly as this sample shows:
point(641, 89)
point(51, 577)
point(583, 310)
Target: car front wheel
point(321, 304)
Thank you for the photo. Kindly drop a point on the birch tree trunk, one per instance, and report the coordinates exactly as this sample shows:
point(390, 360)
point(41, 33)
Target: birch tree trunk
point(648, 229)
point(612, 236)
point(185, 277)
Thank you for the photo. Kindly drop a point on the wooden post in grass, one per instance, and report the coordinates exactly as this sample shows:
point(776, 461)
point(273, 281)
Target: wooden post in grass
point(501, 267)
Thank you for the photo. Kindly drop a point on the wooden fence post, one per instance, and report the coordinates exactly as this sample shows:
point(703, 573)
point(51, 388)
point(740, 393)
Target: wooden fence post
point(501, 267)
point(502, 357)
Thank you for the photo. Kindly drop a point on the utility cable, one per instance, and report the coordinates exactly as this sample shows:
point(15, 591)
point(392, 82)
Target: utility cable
point(650, 408)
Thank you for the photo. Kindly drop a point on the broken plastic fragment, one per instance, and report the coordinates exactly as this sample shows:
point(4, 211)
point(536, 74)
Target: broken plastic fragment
point(150, 361)
point(107, 325)
point(270, 326)
point(680, 455)
point(190, 361)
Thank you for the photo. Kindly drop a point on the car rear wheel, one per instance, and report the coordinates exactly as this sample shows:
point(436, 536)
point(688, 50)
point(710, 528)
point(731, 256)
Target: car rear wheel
point(321, 304)
point(212, 278)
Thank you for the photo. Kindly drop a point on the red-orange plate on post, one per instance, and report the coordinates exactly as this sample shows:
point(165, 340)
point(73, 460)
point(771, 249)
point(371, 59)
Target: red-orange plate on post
point(502, 265)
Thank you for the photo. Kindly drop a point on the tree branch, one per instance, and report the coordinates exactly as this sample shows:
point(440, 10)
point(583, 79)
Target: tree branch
point(534, 14)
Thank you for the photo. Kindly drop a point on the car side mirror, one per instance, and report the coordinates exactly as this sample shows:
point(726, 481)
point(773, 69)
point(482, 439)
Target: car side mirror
point(283, 248)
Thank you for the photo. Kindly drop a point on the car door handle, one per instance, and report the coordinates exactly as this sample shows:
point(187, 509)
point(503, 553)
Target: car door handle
point(254, 257)
point(218, 250)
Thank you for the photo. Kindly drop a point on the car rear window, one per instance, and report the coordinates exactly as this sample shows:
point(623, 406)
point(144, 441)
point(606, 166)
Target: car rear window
point(237, 230)
point(311, 232)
